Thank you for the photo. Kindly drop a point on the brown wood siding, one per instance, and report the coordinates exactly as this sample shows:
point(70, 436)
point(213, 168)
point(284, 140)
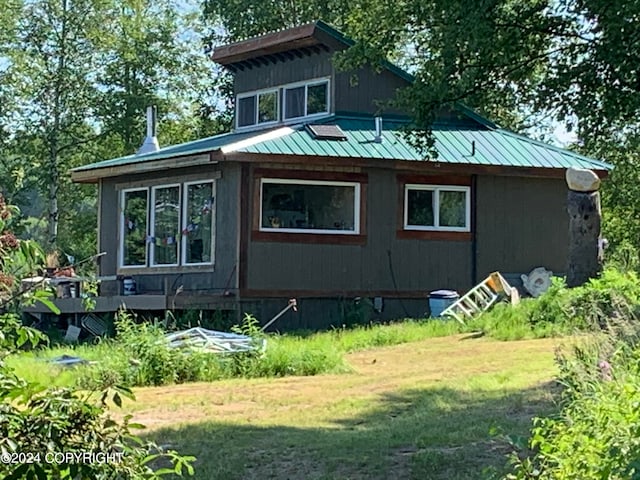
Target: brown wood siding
point(521, 224)
point(416, 265)
point(297, 70)
point(367, 91)
point(108, 228)
point(217, 278)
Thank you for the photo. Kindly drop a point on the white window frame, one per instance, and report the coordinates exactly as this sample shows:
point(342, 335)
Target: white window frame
point(290, 181)
point(306, 84)
point(281, 103)
point(436, 189)
point(152, 226)
point(256, 122)
point(121, 264)
point(183, 242)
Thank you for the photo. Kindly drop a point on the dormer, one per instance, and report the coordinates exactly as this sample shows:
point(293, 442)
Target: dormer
point(288, 77)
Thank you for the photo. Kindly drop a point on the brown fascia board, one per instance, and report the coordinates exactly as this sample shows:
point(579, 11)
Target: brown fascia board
point(425, 167)
point(297, 37)
point(291, 39)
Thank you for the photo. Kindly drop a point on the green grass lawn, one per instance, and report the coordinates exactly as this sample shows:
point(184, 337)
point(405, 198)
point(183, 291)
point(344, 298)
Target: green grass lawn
point(406, 400)
point(422, 410)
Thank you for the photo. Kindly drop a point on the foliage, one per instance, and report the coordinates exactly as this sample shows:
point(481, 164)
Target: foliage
point(53, 433)
point(596, 434)
point(77, 77)
point(561, 311)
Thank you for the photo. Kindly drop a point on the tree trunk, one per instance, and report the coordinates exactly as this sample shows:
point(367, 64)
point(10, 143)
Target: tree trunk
point(584, 233)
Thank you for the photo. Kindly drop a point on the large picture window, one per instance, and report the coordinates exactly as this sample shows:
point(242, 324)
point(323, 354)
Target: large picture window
point(435, 207)
point(310, 206)
point(168, 225)
point(133, 225)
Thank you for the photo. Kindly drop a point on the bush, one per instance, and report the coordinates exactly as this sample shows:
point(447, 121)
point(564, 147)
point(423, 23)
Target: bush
point(58, 433)
point(597, 433)
point(560, 310)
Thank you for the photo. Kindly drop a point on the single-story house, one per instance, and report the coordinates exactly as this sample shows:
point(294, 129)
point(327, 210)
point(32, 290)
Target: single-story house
point(317, 195)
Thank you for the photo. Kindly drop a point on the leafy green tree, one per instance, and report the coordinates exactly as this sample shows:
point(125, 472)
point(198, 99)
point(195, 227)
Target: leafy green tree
point(239, 19)
point(49, 433)
point(152, 54)
point(53, 61)
point(81, 75)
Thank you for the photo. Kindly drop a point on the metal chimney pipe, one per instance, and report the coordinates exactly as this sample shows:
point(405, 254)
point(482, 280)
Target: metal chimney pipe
point(151, 141)
point(151, 121)
point(378, 123)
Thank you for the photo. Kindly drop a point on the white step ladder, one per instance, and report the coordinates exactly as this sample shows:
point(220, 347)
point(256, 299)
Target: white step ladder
point(481, 297)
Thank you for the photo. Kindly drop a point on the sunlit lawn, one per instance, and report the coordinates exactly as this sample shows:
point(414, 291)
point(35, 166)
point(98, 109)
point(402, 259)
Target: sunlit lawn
point(422, 410)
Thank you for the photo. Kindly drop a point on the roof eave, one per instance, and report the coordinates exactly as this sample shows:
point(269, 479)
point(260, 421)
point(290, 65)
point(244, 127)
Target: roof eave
point(265, 44)
point(191, 160)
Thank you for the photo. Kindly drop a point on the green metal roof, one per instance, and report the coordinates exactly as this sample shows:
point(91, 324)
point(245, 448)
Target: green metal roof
point(203, 145)
point(465, 142)
point(453, 142)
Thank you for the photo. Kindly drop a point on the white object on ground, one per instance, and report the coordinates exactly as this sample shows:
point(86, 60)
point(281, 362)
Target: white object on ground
point(537, 282)
point(214, 341)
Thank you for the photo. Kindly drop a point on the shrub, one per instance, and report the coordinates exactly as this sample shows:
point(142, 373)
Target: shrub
point(597, 433)
point(38, 424)
point(591, 307)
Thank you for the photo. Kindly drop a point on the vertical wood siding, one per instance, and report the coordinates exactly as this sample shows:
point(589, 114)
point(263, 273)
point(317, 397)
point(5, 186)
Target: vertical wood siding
point(213, 279)
point(522, 224)
point(417, 265)
point(297, 70)
point(367, 91)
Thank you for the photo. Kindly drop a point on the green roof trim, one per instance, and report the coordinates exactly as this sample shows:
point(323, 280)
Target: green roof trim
point(455, 143)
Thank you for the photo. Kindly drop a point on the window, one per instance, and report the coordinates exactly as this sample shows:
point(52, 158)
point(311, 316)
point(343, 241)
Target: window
point(179, 230)
point(165, 225)
point(310, 206)
point(298, 100)
point(197, 233)
point(432, 207)
point(305, 100)
point(257, 108)
point(133, 225)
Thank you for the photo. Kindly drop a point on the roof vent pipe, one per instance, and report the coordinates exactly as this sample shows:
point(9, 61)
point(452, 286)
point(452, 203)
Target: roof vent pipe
point(378, 137)
point(150, 144)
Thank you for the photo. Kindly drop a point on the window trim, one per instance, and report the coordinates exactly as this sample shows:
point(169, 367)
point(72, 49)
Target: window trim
point(152, 227)
point(121, 264)
point(281, 103)
point(436, 210)
point(183, 240)
point(256, 122)
point(294, 181)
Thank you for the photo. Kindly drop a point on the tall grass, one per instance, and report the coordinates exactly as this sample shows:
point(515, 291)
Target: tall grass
point(139, 355)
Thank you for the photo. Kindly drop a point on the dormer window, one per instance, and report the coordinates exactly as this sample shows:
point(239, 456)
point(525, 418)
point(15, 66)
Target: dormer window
point(257, 108)
point(284, 103)
point(307, 99)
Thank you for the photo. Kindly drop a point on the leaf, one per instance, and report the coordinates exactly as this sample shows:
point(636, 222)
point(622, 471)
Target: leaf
point(44, 297)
